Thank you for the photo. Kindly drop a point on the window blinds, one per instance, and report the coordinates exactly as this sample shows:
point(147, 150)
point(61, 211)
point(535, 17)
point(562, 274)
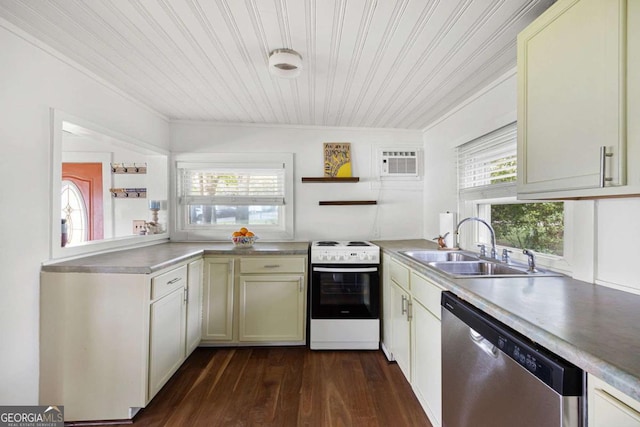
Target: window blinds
point(257, 185)
point(488, 160)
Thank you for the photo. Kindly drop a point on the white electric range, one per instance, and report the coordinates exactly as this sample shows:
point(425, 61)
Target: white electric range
point(345, 295)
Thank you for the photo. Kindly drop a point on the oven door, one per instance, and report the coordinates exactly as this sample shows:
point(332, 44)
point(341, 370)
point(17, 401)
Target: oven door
point(345, 291)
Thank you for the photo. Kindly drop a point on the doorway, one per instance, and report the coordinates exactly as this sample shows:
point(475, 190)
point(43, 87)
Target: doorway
point(82, 204)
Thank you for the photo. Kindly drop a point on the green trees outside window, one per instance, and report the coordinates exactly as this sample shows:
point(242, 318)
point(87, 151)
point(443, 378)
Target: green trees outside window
point(536, 226)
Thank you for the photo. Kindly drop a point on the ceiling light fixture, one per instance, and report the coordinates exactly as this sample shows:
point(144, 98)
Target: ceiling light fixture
point(286, 63)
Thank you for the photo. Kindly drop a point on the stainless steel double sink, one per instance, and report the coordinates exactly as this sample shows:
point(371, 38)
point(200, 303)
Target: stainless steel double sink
point(460, 264)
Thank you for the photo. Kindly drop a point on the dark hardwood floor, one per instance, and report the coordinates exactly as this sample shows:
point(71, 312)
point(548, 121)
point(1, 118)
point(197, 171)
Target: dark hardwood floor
point(285, 386)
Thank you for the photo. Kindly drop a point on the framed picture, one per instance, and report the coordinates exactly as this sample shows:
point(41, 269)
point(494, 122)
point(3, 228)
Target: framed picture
point(337, 159)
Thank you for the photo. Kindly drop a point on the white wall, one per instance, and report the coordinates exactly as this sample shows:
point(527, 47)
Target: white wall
point(31, 82)
point(489, 110)
point(399, 210)
point(618, 234)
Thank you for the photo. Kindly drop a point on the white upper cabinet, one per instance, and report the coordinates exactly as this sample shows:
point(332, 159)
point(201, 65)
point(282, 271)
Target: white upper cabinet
point(572, 100)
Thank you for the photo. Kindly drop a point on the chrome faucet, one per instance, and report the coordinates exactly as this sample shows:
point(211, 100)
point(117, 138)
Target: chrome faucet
point(531, 258)
point(491, 230)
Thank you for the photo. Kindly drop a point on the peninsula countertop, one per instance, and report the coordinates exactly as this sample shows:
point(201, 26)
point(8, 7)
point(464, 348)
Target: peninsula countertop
point(592, 326)
point(149, 259)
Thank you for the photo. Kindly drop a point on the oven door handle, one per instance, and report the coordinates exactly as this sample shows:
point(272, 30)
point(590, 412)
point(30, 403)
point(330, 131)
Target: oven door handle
point(346, 270)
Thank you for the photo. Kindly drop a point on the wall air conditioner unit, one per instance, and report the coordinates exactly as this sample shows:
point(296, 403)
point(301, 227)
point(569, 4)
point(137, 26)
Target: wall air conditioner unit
point(399, 163)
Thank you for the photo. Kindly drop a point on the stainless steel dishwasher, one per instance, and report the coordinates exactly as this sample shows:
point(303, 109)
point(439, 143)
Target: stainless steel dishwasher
point(492, 376)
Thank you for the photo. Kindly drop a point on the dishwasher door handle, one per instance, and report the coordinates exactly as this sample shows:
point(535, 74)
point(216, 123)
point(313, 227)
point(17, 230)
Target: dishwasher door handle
point(485, 345)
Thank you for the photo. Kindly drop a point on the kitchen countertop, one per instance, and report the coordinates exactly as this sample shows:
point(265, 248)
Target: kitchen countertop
point(149, 259)
point(592, 326)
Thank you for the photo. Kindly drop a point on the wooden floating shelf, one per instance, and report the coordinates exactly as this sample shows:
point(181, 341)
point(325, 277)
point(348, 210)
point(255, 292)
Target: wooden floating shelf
point(346, 202)
point(330, 179)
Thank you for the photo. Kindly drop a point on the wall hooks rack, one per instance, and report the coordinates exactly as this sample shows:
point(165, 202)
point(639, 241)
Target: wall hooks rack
point(129, 193)
point(129, 168)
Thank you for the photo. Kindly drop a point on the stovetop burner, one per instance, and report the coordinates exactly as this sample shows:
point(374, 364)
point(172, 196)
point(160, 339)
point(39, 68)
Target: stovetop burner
point(327, 243)
point(358, 243)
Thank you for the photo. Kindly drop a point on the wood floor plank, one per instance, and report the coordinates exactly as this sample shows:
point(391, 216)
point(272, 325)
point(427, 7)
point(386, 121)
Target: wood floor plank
point(282, 386)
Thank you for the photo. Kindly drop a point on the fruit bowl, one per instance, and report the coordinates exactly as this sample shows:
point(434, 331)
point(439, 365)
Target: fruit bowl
point(244, 241)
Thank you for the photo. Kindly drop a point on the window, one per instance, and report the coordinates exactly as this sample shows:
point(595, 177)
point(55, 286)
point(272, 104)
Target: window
point(235, 190)
point(536, 226)
point(487, 173)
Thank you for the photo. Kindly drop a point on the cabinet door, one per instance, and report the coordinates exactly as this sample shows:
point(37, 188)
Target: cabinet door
point(167, 338)
point(194, 305)
point(387, 305)
point(401, 329)
point(426, 366)
point(610, 407)
point(217, 322)
point(272, 308)
point(571, 96)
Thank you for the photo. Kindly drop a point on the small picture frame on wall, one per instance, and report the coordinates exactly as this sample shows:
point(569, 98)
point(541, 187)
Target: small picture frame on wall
point(337, 159)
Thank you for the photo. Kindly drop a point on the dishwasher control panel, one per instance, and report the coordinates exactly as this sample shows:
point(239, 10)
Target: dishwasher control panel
point(524, 355)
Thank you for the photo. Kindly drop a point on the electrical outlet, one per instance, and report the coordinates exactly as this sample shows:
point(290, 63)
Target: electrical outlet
point(138, 226)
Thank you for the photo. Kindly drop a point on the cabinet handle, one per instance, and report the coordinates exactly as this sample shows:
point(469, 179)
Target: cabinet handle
point(603, 166)
point(409, 311)
point(171, 282)
point(186, 295)
point(404, 300)
point(272, 266)
point(300, 286)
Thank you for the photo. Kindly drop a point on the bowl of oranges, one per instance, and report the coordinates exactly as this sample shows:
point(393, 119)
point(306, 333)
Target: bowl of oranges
point(243, 238)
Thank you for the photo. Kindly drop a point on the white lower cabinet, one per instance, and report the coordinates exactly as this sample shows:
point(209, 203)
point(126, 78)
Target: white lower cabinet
point(254, 299)
point(401, 328)
point(271, 308)
point(411, 309)
point(194, 305)
point(166, 338)
point(608, 406)
point(110, 341)
point(385, 333)
point(426, 338)
point(218, 299)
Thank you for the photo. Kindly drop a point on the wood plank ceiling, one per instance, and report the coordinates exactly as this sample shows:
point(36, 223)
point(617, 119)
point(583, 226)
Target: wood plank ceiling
point(367, 63)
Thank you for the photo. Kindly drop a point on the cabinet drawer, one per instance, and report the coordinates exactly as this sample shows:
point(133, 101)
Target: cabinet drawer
point(427, 292)
point(399, 274)
point(167, 282)
point(608, 406)
point(273, 265)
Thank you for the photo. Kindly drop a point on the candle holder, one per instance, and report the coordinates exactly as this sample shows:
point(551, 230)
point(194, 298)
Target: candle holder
point(154, 215)
point(154, 207)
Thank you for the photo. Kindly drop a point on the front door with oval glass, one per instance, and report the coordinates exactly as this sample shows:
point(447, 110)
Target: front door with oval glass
point(81, 202)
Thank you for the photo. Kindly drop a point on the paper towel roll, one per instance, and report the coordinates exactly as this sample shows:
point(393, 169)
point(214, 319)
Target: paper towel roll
point(448, 225)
